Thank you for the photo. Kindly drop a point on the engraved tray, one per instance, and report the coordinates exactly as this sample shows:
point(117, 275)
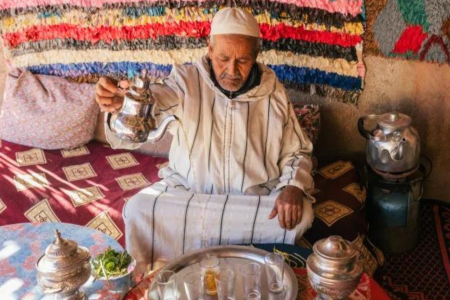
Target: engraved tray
point(232, 257)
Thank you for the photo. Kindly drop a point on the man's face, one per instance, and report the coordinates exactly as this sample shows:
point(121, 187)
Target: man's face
point(232, 58)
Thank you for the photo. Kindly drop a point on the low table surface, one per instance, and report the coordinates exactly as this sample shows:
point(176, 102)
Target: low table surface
point(21, 245)
point(368, 288)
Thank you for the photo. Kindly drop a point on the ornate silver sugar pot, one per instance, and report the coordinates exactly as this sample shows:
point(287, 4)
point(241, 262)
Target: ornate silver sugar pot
point(333, 269)
point(393, 146)
point(136, 121)
point(64, 269)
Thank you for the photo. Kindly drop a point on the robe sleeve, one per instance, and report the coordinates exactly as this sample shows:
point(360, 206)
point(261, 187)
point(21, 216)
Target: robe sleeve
point(295, 158)
point(169, 101)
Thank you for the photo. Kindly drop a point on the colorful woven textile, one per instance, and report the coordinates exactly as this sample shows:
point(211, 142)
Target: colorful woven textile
point(409, 29)
point(312, 45)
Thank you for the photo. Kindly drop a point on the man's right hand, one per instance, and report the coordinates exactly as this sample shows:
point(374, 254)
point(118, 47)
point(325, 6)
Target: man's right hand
point(109, 95)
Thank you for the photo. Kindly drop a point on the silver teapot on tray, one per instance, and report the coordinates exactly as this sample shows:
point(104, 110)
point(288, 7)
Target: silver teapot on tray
point(64, 269)
point(136, 120)
point(394, 145)
point(333, 269)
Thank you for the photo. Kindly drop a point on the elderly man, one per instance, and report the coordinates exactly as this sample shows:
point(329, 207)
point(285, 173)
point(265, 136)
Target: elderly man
point(242, 138)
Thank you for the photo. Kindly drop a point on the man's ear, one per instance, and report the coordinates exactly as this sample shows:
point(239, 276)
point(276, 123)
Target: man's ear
point(209, 50)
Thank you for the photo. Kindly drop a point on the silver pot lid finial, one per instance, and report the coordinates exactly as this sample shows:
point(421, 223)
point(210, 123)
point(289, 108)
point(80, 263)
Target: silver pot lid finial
point(62, 254)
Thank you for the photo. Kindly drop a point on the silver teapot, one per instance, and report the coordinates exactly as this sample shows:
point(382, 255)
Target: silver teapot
point(333, 269)
point(136, 121)
point(64, 269)
point(393, 146)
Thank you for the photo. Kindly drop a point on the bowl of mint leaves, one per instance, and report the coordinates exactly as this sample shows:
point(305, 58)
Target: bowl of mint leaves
point(112, 265)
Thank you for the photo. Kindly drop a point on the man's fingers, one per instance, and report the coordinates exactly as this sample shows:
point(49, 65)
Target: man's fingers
point(273, 213)
point(107, 108)
point(299, 214)
point(104, 100)
point(288, 217)
point(108, 84)
point(294, 215)
point(104, 92)
point(281, 216)
point(124, 84)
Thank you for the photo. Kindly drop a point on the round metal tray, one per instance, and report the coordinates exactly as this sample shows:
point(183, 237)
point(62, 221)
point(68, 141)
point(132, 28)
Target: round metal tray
point(232, 257)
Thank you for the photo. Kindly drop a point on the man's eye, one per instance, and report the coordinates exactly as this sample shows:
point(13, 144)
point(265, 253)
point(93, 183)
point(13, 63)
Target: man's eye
point(223, 59)
point(243, 61)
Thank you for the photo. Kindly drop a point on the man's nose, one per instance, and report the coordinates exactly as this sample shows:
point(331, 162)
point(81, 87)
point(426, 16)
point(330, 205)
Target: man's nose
point(232, 68)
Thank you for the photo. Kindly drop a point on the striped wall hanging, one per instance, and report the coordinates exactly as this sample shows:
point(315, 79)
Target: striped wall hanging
point(313, 45)
point(409, 29)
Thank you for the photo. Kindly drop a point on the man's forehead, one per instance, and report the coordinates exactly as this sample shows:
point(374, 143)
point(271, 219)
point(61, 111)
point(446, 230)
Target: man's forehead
point(234, 41)
point(236, 45)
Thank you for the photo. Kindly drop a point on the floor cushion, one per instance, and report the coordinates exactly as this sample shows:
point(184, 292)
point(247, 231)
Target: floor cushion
point(340, 210)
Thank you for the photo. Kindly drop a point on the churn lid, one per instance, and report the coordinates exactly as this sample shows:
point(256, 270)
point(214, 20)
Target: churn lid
point(394, 120)
point(61, 255)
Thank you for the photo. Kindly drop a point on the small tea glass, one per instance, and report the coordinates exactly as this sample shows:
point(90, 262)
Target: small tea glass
point(210, 267)
point(194, 286)
point(251, 275)
point(275, 271)
point(167, 285)
point(225, 282)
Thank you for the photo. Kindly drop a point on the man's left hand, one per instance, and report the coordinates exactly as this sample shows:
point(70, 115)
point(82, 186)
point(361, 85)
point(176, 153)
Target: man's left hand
point(288, 207)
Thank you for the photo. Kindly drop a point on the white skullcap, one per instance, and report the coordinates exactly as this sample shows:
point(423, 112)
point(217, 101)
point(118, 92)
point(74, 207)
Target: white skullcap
point(234, 21)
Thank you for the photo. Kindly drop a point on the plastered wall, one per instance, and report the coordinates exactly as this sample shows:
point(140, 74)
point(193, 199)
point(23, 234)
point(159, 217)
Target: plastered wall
point(420, 90)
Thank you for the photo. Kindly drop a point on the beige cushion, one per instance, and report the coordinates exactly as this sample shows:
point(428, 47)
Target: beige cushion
point(47, 112)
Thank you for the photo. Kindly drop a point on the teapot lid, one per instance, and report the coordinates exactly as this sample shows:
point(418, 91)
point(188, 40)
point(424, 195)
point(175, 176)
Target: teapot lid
point(335, 248)
point(140, 88)
point(394, 120)
point(62, 254)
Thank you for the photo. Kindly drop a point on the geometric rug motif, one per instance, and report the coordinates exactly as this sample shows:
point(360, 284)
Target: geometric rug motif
point(31, 157)
point(28, 181)
point(105, 224)
point(369, 262)
point(422, 273)
point(132, 181)
point(82, 150)
point(356, 190)
point(409, 29)
point(123, 160)
point(331, 211)
point(2, 206)
point(336, 169)
point(85, 195)
point(41, 212)
point(78, 172)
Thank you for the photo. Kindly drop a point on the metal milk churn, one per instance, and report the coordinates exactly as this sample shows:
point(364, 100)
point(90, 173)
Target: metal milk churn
point(393, 210)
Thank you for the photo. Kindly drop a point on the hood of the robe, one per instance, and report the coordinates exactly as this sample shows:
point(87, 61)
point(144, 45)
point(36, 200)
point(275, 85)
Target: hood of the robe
point(263, 90)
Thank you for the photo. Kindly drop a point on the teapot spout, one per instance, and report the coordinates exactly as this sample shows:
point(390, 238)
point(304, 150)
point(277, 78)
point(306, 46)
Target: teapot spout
point(156, 134)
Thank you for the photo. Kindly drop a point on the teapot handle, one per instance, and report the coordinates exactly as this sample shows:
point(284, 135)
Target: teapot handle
point(362, 130)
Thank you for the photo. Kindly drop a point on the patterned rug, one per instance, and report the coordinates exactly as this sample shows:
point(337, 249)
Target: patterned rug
point(313, 46)
point(409, 29)
point(424, 273)
point(87, 186)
